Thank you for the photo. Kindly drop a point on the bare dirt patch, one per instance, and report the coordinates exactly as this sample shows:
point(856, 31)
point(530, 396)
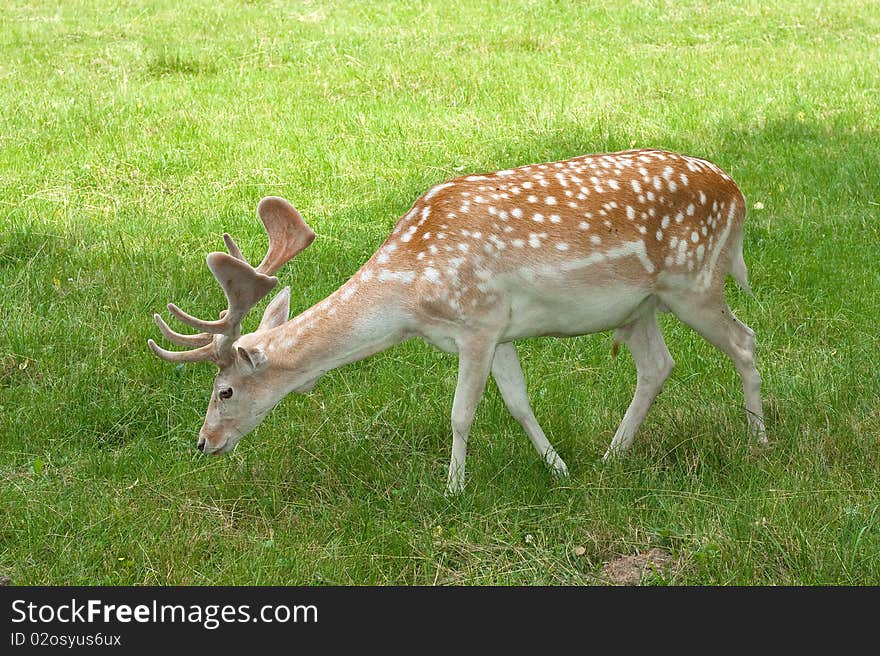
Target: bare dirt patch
point(630, 570)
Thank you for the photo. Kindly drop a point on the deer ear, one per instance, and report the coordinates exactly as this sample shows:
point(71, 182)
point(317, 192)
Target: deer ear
point(277, 311)
point(250, 359)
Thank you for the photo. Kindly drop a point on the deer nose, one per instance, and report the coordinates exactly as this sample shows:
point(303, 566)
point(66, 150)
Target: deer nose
point(202, 444)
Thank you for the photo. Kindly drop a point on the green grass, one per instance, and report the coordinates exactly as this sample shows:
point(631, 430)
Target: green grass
point(133, 134)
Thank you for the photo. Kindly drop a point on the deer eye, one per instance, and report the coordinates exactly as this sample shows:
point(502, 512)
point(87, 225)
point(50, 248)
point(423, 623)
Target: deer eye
point(226, 393)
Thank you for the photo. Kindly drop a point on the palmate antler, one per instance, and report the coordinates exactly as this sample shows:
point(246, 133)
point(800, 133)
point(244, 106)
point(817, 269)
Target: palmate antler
point(243, 285)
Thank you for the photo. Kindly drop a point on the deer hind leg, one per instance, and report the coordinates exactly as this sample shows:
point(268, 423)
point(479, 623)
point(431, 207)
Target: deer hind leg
point(509, 377)
point(711, 317)
point(653, 366)
point(474, 363)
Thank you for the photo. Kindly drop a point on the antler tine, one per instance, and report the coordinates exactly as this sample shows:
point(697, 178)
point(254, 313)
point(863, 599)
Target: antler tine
point(288, 233)
point(232, 247)
point(202, 354)
point(182, 340)
point(217, 327)
point(244, 288)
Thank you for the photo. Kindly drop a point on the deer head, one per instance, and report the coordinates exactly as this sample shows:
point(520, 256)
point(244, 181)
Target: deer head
point(244, 390)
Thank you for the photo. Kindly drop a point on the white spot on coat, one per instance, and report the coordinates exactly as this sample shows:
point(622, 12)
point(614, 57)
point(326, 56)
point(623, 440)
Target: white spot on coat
point(349, 291)
point(398, 276)
point(431, 274)
point(437, 188)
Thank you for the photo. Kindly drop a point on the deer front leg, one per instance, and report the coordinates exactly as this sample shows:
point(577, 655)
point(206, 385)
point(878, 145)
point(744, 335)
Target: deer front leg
point(474, 362)
point(512, 385)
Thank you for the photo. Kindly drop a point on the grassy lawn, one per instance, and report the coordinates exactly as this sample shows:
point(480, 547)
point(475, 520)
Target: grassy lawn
point(132, 134)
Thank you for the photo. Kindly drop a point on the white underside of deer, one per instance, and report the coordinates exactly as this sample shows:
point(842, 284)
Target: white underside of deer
point(593, 243)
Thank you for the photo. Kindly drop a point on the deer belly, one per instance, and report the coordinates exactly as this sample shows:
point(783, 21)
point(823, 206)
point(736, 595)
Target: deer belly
point(535, 311)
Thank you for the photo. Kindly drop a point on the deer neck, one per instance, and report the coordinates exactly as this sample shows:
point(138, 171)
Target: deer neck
point(351, 324)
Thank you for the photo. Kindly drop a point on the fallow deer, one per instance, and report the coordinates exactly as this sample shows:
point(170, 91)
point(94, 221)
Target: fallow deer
point(564, 248)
